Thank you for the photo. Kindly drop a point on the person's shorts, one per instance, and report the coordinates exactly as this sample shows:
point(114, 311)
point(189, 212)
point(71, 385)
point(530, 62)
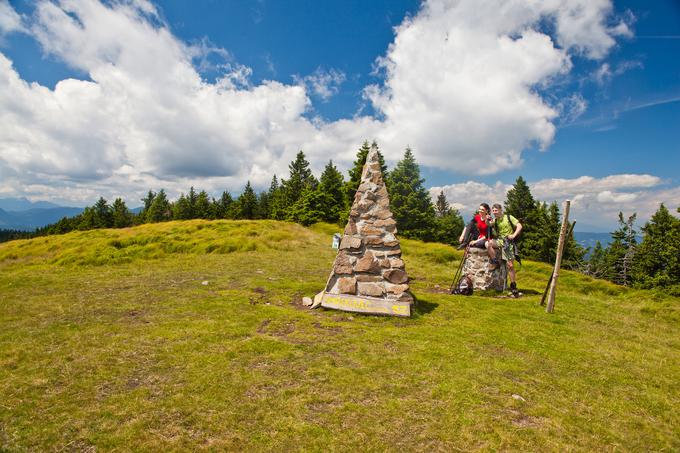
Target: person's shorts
point(507, 249)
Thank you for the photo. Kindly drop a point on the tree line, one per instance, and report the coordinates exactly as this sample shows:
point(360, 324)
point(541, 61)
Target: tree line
point(652, 262)
point(302, 198)
point(541, 224)
point(10, 235)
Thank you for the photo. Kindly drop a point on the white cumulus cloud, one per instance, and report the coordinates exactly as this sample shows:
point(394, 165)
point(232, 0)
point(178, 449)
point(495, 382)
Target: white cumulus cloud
point(461, 77)
point(467, 196)
point(10, 20)
point(595, 201)
point(459, 80)
point(325, 84)
point(564, 188)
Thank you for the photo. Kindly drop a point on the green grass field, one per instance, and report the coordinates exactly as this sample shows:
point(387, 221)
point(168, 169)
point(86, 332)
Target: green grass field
point(190, 336)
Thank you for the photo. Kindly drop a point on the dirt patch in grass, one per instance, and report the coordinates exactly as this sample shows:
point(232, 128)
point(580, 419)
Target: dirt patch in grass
point(136, 316)
point(390, 346)
point(262, 328)
point(266, 390)
point(521, 420)
point(132, 384)
point(297, 300)
point(342, 318)
point(78, 445)
point(330, 329)
point(322, 407)
point(260, 296)
point(437, 289)
point(276, 328)
point(283, 330)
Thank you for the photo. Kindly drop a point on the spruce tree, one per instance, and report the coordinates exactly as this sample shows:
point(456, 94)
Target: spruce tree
point(247, 203)
point(121, 216)
point(657, 261)
point(596, 265)
point(621, 250)
point(277, 204)
point(409, 200)
point(214, 209)
point(160, 209)
point(519, 202)
point(181, 210)
point(64, 225)
point(87, 220)
point(540, 237)
point(142, 217)
point(192, 197)
point(449, 223)
point(310, 207)
point(225, 206)
point(148, 200)
point(202, 206)
point(263, 205)
point(533, 216)
point(442, 205)
point(300, 178)
point(551, 234)
point(325, 203)
point(333, 201)
point(103, 217)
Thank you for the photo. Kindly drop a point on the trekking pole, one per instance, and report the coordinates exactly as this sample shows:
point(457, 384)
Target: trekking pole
point(552, 274)
point(455, 274)
point(459, 271)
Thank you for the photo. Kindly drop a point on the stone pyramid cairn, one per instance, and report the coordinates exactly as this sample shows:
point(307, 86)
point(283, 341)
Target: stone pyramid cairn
point(368, 274)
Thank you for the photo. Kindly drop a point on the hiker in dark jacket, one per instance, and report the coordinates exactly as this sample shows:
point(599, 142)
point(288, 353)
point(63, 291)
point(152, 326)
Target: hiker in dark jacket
point(483, 223)
point(507, 230)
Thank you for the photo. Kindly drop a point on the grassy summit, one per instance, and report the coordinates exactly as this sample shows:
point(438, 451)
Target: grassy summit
point(112, 339)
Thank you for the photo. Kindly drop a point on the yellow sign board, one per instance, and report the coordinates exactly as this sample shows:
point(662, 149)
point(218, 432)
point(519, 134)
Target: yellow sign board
point(370, 305)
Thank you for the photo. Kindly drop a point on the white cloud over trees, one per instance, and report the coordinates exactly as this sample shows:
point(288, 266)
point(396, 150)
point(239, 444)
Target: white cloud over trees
point(595, 201)
point(460, 80)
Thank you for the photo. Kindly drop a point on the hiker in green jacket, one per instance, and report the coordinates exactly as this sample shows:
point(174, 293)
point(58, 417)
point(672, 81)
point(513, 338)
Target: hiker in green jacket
point(507, 229)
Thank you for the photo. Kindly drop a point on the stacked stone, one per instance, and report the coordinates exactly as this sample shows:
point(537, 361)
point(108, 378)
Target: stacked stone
point(478, 267)
point(369, 261)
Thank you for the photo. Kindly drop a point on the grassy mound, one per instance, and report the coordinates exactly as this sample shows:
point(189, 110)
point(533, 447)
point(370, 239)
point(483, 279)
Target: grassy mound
point(153, 241)
point(190, 335)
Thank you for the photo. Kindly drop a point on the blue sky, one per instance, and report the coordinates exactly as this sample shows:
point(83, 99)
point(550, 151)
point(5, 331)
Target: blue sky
point(580, 98)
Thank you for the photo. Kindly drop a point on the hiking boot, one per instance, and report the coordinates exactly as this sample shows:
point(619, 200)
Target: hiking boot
point(513, 289)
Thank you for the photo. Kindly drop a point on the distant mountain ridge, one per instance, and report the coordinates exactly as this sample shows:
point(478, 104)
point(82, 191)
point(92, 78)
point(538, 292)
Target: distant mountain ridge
point(24, 204)
point(22, 214)
point(588, 239)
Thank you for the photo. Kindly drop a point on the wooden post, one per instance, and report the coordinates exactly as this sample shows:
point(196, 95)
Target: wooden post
point(547, 286)
point(558, 260)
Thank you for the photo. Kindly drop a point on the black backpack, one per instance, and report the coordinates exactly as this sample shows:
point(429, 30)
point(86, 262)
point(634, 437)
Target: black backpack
point(464, 286)
point(471, 234)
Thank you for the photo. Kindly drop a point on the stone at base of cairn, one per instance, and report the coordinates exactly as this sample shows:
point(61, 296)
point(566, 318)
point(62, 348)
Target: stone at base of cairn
point(478, 267)
point(365, 304)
